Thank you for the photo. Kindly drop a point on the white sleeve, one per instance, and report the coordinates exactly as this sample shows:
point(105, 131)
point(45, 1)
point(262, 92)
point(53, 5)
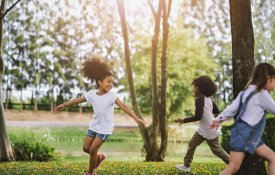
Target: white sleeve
point(230, 110)
point(267, 102)
point(115, 96)
point(88, 96)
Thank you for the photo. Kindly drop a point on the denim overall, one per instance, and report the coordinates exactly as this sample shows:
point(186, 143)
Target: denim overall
point(246, 138)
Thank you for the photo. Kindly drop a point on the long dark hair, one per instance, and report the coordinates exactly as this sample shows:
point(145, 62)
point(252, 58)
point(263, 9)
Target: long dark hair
point(260, 75)
point(96, 69)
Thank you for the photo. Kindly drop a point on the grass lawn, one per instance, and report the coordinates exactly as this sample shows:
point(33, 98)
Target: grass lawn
point(124, 154)
point(78, 167)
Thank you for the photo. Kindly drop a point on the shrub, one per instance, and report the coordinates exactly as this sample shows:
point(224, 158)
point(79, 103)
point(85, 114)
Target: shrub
point(29, 150)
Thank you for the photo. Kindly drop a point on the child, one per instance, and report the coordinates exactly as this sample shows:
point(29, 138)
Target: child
point(250, 107)
point(102, 100)
point(203, 88)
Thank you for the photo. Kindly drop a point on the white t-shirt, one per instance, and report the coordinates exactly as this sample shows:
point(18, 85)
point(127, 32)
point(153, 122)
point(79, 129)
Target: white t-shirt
point(207, 119)
point(103, 118)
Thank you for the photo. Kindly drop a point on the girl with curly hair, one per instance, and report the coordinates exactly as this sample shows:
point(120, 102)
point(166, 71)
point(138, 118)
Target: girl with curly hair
point(102, 100)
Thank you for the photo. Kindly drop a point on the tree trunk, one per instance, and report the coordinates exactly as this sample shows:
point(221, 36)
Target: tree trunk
point(242, 43)
point(163, 111)
point(143, 131)
point(243, 63)
point(154, 88)
point(6, 152)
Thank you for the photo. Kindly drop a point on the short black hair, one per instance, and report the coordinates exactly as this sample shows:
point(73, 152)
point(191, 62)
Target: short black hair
point(206, 85)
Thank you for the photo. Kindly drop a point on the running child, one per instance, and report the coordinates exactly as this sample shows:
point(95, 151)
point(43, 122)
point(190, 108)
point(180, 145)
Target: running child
point(102, 101)
point(205, 109)
point(250, 108)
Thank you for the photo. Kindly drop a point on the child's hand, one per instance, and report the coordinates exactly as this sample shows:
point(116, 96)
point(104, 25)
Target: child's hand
point(141, 122)
point(59, 108)
point(179, 120)
point(215, 124)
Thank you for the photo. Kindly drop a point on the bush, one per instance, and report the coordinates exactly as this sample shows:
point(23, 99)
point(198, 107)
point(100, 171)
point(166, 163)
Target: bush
point(29, 150)
point(268, 136)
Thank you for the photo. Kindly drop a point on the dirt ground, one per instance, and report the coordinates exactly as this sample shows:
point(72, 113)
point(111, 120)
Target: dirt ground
point(14, 115)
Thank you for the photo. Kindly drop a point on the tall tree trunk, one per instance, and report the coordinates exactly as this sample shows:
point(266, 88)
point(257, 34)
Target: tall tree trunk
point(154, 155)
point(143, 131)
point(243, 63)
point(242, 43)
point(163, 110)
point(6, 152)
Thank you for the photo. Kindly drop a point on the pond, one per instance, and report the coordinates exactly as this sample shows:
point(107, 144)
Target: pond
point(124, 143)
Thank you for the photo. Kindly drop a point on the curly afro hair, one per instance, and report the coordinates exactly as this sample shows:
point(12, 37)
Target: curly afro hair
point(206, 86)
point(96, 69)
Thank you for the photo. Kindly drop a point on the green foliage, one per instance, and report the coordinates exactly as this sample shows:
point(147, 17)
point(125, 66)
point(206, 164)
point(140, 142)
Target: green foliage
point(109, 167)
point(187, 58)
point(268, 136)
point(27, 148)
point(226, 130)
point(26, 151)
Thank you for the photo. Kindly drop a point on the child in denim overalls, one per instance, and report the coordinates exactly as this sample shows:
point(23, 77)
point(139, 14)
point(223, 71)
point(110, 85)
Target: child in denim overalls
point(250, 108)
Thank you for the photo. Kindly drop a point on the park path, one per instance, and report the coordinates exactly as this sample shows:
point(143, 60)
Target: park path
point(60, 124)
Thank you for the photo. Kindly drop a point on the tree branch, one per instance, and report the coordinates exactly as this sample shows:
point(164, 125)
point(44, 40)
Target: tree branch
point(169, 8)
point(2, 6)
point(7, 11)
point(152, 8)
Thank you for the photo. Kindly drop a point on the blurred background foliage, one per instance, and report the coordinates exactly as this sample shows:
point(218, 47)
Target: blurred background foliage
point(45, 43)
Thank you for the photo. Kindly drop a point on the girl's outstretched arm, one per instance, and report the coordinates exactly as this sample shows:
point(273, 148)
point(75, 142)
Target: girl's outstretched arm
point(69, 103)
point(126, 109)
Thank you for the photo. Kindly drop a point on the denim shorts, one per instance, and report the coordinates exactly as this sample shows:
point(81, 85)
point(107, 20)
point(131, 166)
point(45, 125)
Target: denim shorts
point(103, 137)
point(245, 138)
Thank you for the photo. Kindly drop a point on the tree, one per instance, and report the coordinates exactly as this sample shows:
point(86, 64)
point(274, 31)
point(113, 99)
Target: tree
point(243, 63)
point(6, 152)
point(159, 114)
point(144, 132)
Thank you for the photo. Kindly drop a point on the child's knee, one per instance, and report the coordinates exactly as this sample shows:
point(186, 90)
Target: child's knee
point(93, 151)
point(272, 158)
point(234, 167)
point(86, 149)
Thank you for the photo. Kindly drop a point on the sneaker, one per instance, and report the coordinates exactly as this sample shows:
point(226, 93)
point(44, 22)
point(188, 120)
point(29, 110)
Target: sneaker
point(103, 157)
point(89, 173)
point(183, 168)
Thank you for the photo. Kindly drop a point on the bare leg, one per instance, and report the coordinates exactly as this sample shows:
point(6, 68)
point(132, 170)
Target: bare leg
point(235, 161)
point(93, 153)
point(265, 152)
point(87, 144)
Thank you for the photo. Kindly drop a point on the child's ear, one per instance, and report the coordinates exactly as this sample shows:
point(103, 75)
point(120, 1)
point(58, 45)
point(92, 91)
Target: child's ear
point(99, 82)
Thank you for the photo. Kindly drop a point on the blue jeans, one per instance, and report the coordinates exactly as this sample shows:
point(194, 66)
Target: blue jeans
point(103, 137)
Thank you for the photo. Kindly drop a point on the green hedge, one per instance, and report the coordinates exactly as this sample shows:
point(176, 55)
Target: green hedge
point(268, 136)
point(108, 167)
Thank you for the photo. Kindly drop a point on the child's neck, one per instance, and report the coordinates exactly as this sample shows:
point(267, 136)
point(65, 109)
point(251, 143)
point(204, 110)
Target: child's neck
point(101, 92)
